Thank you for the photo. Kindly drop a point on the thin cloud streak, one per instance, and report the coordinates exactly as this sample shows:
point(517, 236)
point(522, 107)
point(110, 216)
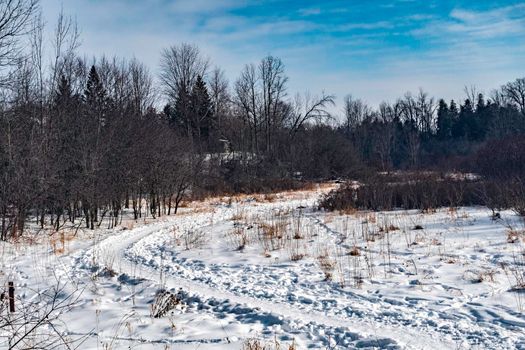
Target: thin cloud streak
point(330, 47)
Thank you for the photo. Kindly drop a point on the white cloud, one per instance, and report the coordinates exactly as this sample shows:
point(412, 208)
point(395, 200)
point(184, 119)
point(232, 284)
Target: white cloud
point(466, 48)
point(203, 6)
point(310, 11)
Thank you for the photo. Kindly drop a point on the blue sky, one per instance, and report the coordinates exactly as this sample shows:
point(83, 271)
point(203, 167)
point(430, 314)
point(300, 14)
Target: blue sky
point(375, 50)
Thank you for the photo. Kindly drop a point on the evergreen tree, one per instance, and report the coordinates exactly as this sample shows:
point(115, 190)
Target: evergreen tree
point(167, 112)
point(94, 94)
point(202, 111)
point(469, 121)
point(95, 97)
point(454, 113)
point(444, 121)
point(64, 92)
point(482, 117)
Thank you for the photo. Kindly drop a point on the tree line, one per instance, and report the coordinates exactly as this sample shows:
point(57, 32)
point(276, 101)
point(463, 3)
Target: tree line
point(83, 139)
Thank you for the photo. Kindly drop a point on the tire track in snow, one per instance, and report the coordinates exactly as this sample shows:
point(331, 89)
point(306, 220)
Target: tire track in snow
point(366, 332)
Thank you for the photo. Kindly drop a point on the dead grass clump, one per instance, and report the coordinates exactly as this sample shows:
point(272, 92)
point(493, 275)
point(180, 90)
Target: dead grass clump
point(199, 210)
point(435, 242)
point(193, 239)
point(348, 211)
point(164, 302)
point(128, 225)
point(450, 259)
point(297, 257)
point(297, 225)
point(514, 236)
point(239, 238)
point(327, 265)
point(269, 197)
point(479, 276)
point(238, 216)
point(515, 272)
point(59, 241)
point(387, 228)
point(273, 234)
point(184, 204)
point(106, 271)
point(392, 227)
point(488, 275)
point(329, 218)
point(419, 239)
point(354, 251)
point(256, 344)
point(371, 218)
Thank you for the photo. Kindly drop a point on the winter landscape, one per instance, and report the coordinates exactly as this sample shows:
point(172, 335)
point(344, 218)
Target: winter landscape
point(274, 269)
point(168, 182)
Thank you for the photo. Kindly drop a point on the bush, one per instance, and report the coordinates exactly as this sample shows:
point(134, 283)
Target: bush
point(408, 191)
point(164, 302)
point(502, 163)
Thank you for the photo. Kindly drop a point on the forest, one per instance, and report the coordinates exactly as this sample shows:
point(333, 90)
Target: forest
point(81, 139)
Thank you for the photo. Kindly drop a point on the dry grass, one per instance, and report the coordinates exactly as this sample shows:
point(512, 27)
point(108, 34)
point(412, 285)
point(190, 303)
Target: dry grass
point(348, 211)
point(327, 265)
point(238, 238)
point(128, 225)
point(238, 216)
point(388, 228)
point(265, 198)
point(164, 302)
point(59, 241)
point(479, 276)
point(514, 236)
point(194, 239)
point(297, 257)
point(273, 234)
point(256, 344)
point(354, 251)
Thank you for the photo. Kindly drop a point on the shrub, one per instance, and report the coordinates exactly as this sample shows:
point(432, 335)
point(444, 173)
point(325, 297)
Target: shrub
point(164, 302)
point(411, 191)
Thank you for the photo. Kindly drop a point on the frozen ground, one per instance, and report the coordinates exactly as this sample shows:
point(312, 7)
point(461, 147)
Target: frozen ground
point(277, 269)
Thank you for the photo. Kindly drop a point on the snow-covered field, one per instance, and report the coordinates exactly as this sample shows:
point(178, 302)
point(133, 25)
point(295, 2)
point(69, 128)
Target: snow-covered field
point(277, 269)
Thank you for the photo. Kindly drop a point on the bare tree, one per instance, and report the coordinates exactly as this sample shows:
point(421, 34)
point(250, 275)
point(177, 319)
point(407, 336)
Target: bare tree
point(515, 93)
point(65, 42)
point(179, 68)
point(15, 21)
point(247, 98)
point(471, 92)
point(273, 86)
point(37, 323)
point(355, 111)
point(426, 108)
point(418, 111)
point(219, 95)
point(309, 108)
point(143, 94)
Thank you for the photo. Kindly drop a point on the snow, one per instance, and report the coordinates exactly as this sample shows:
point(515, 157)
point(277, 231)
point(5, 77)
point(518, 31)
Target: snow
point(447, 284)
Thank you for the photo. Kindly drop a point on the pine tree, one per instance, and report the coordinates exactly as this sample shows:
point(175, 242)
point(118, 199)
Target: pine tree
point(202, 112)
point(483, 117)
point(444, 121)
point(94, 93)
point(95, 97)
point(64, 92)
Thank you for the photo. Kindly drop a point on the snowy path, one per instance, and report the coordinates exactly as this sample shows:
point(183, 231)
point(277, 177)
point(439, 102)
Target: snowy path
point(232, 295)
point(335, 330)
